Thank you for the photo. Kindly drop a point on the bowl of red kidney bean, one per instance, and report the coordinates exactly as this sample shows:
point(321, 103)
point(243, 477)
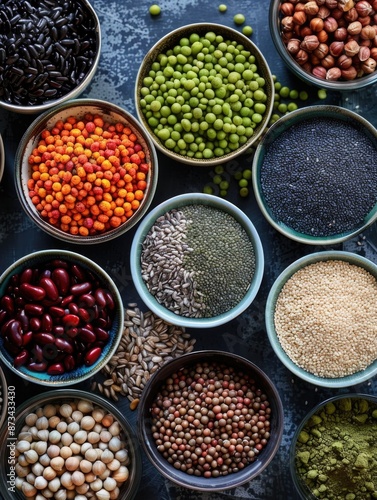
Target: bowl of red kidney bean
point(61, 317)
point(210, 420)
point(49, 53)
point(86, 171)
point(329, 44)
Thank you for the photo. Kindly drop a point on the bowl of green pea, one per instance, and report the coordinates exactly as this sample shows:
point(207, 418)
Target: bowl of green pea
point(204, 93)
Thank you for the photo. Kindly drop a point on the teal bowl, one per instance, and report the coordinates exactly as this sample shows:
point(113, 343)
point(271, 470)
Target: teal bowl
point(329, 382)
point(136, 249)
point(284, 125)
point(81, 371)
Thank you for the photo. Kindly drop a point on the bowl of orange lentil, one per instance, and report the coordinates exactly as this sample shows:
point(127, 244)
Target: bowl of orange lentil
point(86, 171)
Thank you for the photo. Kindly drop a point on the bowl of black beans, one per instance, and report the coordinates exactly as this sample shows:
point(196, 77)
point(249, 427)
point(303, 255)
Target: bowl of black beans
point(49, 52)
point(315, 175)
point(205, 94)
point(197, 260)
point(61, 317)
point(210, 420)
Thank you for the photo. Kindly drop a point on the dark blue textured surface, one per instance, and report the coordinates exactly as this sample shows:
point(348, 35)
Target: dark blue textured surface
point(128, 31)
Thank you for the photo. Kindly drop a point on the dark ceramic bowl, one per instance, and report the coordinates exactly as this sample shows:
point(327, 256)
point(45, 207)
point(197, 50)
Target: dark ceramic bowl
point(200, 483)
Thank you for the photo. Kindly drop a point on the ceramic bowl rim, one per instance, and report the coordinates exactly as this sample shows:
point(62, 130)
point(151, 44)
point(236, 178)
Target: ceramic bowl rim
point(2, 157)
point(30, 137)
point(334, 383)
point(53, 381)
point(76, 91)
point(280, 127)
point(183, 200)
point(268, 77)
point(221, 483)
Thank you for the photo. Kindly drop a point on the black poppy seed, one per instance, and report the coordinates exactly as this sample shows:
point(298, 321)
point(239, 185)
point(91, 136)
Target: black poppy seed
point(319, 177)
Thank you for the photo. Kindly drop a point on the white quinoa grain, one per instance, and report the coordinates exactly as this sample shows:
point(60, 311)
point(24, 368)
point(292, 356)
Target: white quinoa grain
point(326, 318)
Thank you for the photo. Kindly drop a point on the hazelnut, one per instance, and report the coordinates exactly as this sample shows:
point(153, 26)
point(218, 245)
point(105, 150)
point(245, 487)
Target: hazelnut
point(319, 72)
point(354, 28)
point(373, 53)
point(364, 54)
point(363, 8)
point(321, 51)
point(328, 61)
point(293, 45)
point(349, 74)
point(333, 74)
point(351, 15)
point(331, 4)
point(340, 34)
point(301, 57)
point(309, 43)
point(368, 32)
point(322, 36)
point(287, 23)
point(369, 65)
point(311, 8)
point(316, 24)
point(336, 48)
point(345, 5)
point(344, 62)
point(305, 31)
point(330, 24)
point(337, 14)
point(365, 20)
point(323, 12)
point(287, 8)
point(299, 17)
point(351, 48)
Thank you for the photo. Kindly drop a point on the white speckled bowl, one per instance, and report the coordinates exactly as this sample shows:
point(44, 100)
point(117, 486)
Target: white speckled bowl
point(334, 383)
point(142, 231)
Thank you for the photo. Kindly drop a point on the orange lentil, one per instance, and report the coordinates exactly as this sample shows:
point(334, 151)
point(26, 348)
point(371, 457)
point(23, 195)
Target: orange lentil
point(139, 194)
point(135, 204)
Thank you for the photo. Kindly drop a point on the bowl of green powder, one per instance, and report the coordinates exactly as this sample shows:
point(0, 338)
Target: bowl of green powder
point(321, 318)
point(333, 452)
point(197, 260)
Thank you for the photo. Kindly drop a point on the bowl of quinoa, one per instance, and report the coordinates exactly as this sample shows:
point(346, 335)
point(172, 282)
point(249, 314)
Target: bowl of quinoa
point(86, 171)
point(197, 260)
point(208, 397)
point(321, 318)
point(315, 175)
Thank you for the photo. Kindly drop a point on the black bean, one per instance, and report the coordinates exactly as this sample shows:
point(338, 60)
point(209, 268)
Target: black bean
point(3, 56)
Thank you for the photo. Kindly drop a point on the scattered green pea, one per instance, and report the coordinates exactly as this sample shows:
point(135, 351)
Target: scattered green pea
point(154, 10)
point(208, 189)
point(219, 169)
point(293, 94)
point(223, 193)
point(247, 174)
point(292, 106)
point(238, 175)
point(247, 30)
point(223, 7)
point(243, 183)
point(322, 94)
point(303, 95)
point(239, 19)
point(217, 179)
point(224, 185)
point(284, 92)
point(244, 192)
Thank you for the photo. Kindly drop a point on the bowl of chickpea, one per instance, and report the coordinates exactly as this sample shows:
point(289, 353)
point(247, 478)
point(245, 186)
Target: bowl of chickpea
point(86, 171)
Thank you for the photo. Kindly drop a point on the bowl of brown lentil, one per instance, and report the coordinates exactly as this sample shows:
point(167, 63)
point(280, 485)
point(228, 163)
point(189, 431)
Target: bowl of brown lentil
point(205, 94)
point(321, 318)
point(308, 179)
point(49, 53)
point(332, 451)
point(197, 260)
point(69, 440)
point(86, 171)
point(225, 417)
point(329, 44)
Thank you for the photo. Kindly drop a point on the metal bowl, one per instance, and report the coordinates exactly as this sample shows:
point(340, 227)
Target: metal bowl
point(275, 17)
point(51, 352)
point(78, 108)
point(222, 482)
point(58, 60)
point(168, 42)
point(10, 433)
point(135, 259)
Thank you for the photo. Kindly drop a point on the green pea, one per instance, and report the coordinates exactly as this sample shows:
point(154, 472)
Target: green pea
point(322, 94)
point(207, 153)
point(244, 192)
point(247, 30)
point(303, 95)
point(284, 92)
point(259, 95)
point(211, 133)
point(208, 189)
point(176, 108)
point(239, 19)
point(163, 134)
point(282, 107)
point(210, 117)
point(243, 182)
point(247, 174)
point(222, 7)
point(170, 144)
point(224, 185)
point(256, 117)
point(155, 106)
point(293, 94)
point(292, 106)
point(175, 135)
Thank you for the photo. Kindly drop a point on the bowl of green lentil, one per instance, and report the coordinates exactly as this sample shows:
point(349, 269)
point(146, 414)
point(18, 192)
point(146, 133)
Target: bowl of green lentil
point(308, 179)
point(321, 318)
point(197, 260)
point(205, 94)
point(332, 453)
point(209, 397)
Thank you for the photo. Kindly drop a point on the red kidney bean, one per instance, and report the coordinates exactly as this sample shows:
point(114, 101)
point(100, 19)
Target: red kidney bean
point(50, 288)
point(66, 301)
point(56, 312)
point(84, 314)
point(69, 362)
point(92, 355)
point(61, 279)
point(34, 309)
point(87, 335)
point(38, 353)
point(58, 330)
point(21, 358)
point(3, 315)
point(5, 326)
point(32, 292)
point(73, 308)
point(13, 333)
point(81, 288)
point(78, 272)
point(37, 367)
point(23, 319)
point(27, 337)
point(47, 323)
point(109, 300)
point(44, 338)
point(35, 324)
point(27, 275)
point(100, 297)
point(70, 320)
point(72, 332)
point(101, 334)
point(87, 300)
point(55, 369)
point(11, 348)
point(103, 323)
point(7, 303)
point(64, 345)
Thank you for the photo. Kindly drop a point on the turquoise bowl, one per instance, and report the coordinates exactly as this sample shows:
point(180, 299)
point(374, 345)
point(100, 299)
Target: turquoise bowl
point(82, 372)
point(294, 118)
point(333, 383)
point(136, 248)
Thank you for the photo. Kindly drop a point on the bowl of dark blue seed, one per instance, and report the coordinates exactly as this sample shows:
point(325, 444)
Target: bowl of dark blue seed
point(49, 52)
point(210, 420)
point(197, 260)
point(315, 175)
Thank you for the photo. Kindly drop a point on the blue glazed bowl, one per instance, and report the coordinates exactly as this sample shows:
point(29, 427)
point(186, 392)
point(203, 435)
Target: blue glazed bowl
point(334, 383)
point(82, 372)
point(144, 228)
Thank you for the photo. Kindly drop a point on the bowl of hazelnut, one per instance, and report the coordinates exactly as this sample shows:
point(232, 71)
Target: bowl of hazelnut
point(331, 44)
